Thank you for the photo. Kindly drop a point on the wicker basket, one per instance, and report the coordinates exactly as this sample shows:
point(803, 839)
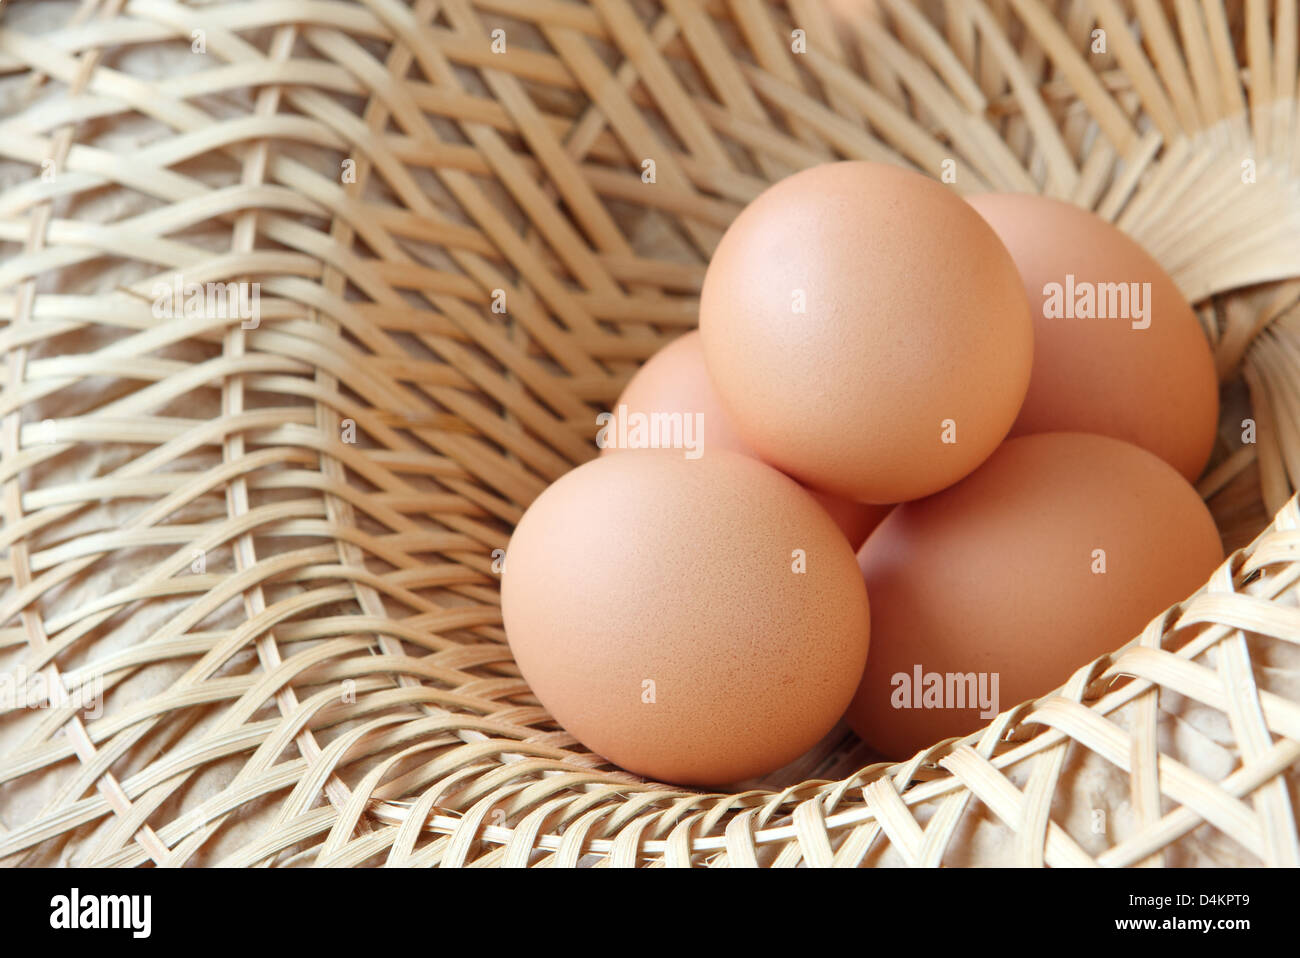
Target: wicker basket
point(268, 547)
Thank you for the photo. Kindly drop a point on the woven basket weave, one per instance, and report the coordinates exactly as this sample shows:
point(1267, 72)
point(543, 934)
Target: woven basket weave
point(274, 545)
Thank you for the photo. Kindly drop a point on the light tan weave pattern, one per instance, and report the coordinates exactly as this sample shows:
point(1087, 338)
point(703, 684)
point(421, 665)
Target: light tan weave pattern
point(273, 544)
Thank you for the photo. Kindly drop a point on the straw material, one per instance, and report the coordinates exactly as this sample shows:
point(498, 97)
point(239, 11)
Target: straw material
point(273, 542)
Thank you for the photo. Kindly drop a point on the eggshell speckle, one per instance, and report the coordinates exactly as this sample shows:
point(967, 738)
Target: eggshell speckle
point(1156, 386)
point(1002, 575)
point(867, 331)
point(675, 380)
point(653, 605)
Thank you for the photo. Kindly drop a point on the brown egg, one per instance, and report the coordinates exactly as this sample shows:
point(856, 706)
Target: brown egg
point(694, 621)
point(866, 331)
point(1060, 548)
point(1117, 349)
point(675, 381)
